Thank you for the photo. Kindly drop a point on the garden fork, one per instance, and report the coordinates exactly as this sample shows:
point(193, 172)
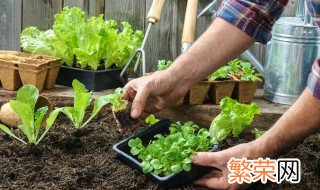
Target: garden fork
point(152, 17)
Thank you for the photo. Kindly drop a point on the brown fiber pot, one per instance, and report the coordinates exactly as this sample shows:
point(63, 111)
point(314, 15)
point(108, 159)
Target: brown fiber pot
point(198, 93)
point(10, 79)
point(244, 91)
point(34, 76)
point(53, 70)
point(221, 89)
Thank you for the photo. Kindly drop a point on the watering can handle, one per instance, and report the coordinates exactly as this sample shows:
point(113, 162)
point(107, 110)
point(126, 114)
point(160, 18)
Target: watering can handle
point(189, 27)
point(155, 11)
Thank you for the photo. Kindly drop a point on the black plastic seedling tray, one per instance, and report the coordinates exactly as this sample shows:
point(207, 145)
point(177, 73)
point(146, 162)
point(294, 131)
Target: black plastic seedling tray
point(93, 80)
point(171, 181)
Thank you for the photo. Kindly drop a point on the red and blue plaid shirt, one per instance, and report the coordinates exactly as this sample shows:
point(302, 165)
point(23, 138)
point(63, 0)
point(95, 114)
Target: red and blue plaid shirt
point(256, 18)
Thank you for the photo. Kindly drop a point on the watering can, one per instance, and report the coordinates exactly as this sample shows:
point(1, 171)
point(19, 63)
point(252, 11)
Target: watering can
point(294, 46)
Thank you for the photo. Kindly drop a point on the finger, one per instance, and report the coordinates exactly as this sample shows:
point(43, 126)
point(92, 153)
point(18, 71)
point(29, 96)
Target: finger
point(206, 159)
point(139, 102)
point(212, 183)
point(129, 93)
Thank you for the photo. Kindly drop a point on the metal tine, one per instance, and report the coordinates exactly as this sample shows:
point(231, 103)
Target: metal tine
point(127, 65)
point(140, 56)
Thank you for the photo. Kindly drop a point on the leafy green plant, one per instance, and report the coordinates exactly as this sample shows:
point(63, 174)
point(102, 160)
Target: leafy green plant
point(115, 99)
point(220, 74)
point(24, 107)
point(163, 65)
point(257, 133)
point(82, 100)
point(93, 43)
point(151, 119)
point(234, 117)
point(171, 153)
point(248, 73)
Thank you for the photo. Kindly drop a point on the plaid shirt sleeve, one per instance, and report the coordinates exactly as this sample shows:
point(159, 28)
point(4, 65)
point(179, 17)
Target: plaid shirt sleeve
point(254, 17)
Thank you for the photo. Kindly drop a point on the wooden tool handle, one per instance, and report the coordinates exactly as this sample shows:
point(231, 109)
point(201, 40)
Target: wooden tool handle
point(189, 28)
point(155, 11)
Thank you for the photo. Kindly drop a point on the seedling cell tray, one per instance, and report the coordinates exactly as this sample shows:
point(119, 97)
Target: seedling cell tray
point(93, 80)
point(170, 181)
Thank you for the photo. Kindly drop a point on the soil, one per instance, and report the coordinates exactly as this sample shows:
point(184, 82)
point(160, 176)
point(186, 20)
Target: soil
point(69, 159)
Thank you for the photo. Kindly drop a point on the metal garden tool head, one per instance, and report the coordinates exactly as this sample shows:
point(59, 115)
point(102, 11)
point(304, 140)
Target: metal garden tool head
point(210, 10)
point(139, 55)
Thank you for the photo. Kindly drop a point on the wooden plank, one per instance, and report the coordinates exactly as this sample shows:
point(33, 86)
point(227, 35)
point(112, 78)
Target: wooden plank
point(83, 4)
point(96, 7)
point(40, 13)
point(132, 11)
point(164, 41)
point(10, 24)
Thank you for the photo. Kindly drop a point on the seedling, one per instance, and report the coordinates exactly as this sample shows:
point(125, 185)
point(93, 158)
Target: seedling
point(24, 107)
point(163, 65)
point(235, 117)
point(220, 74)
point(257, 133)
point(248, 73)
point(82, 100)
point(151, 119)
point(121, 109)
point(171, 153)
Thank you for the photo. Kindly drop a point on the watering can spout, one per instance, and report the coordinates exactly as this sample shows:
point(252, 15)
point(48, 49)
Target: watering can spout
point(248, 56)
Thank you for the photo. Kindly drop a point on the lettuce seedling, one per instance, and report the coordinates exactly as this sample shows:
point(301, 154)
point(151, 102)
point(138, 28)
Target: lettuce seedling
point(248, 73)
point(234, 117)
point(220, 74)
point(151, 119)
point(257, 133)
point(82, 100)
point(171, 153)
point(24, 107)
point(163, 65)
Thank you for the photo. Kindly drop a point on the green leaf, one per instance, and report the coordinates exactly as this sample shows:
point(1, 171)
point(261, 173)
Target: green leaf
point(151, 119)
point(39, 115)
point(135, 151)
point(257, 133)
point(81, 103)
point(49, 122)
point(163, 65)
point(98, 104)
point(115, 99)
point(176, 168)
point(8, 131)
point(28, 94)
point(186, 167)
point(135, 142)
point(26, 113)
point(78, 87)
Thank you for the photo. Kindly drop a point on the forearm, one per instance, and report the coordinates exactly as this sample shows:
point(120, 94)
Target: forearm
point(216, 47)
point(300, 121)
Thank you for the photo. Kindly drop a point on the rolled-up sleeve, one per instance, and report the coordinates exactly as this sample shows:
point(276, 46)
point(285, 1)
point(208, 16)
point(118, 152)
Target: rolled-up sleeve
point(254, 17)
point(314, 79)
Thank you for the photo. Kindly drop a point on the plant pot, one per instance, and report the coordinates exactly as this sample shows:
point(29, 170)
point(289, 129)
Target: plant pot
point(179, 102)
point(33, 75)
point(53, 70)
point(244, 91)
point(198, 93)
point(221, 89)
point(93, 80)
point(9, 76)
point(170, 181)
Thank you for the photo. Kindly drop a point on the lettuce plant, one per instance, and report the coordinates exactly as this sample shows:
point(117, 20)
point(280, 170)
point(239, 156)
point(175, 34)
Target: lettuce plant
point(151, 119)
point(115, 99)
point(234, 117)
point(248, 73)
point(257, 133)
point(171, 153)
point(31, 119)
point(163, 65)
point(82, 100)
point(93, 43)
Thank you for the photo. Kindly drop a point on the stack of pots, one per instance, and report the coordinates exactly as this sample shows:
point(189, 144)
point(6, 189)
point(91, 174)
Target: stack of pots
point(17, 69)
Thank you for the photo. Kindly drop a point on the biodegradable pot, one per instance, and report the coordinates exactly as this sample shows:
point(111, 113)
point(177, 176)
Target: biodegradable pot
point(170, 181)
point(10, 78)
point(198, 93)
point(244, 91)
point(124, 119)
point(35, 75)
point(221, 89)
point(179, 102)
point(93, 80)
point(53, 70)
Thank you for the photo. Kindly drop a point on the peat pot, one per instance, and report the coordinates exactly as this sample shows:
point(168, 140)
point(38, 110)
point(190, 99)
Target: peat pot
point(198, 93)
point(244, 91)
point(221, 89)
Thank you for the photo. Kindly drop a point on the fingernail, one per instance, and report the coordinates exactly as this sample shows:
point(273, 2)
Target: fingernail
point(135, 113)
point(194, 157)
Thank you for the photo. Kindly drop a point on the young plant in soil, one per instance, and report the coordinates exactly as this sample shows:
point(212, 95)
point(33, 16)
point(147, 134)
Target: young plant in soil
point(171, 153)
point(257, 133)
point(248, 73)
point(24, 107)
point(82, 100)
point(121, 109)
point(151, 120)
point(163, 65)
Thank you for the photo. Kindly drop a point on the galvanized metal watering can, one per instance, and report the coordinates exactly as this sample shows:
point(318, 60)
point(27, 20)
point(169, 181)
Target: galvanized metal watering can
point(290, 54)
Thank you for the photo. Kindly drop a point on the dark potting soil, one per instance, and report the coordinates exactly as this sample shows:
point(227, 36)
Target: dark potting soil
point(69, 159)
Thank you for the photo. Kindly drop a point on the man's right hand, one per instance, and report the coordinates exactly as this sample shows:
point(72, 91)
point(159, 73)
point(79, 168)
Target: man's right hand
point(153, 93)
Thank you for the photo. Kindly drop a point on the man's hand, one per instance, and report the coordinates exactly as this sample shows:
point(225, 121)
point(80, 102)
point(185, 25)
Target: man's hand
point(218, 178)
point(153, 93)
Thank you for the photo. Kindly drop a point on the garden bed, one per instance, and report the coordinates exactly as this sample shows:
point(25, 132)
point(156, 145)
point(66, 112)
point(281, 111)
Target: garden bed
point(67, 159)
